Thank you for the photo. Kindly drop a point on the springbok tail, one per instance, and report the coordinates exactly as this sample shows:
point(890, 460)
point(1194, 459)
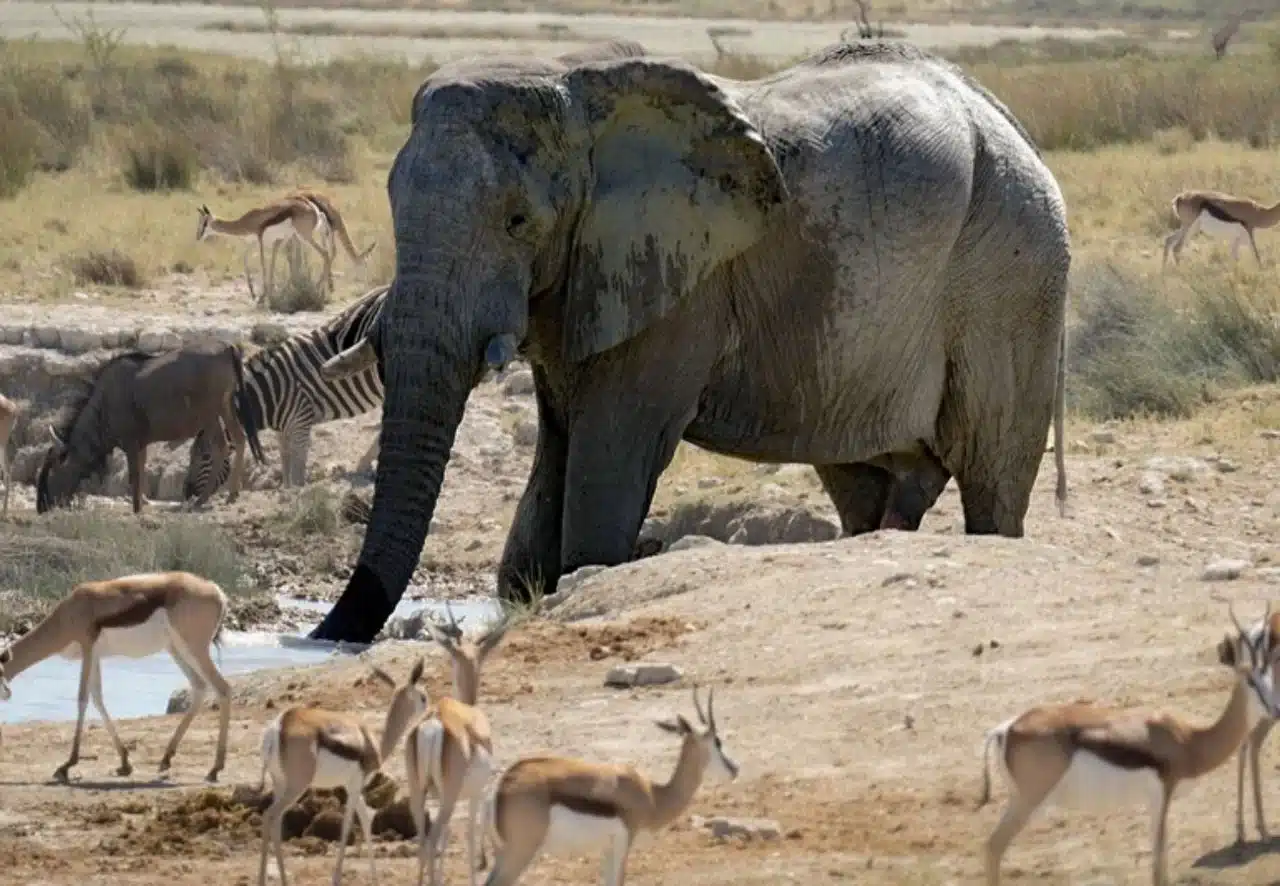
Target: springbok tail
point(995, 736)
point(270, 748)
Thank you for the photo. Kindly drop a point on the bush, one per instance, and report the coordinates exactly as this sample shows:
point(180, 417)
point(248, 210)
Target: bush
point(313, 512)
point(19, 148)
point(109, 268)
point(155, 160)
point(45, 559)
point(295, 289)
point(1132, 353)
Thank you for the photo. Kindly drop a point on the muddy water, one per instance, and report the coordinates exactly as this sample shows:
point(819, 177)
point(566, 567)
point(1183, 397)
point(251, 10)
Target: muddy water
point(141, 687)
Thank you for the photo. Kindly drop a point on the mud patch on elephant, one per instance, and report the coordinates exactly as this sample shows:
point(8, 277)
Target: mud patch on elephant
point(205, 823)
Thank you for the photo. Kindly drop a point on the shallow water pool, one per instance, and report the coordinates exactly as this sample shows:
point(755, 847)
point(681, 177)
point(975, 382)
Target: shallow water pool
point(140, 687)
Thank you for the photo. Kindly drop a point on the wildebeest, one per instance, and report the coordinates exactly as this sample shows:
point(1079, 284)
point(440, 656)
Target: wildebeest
point(136, 399)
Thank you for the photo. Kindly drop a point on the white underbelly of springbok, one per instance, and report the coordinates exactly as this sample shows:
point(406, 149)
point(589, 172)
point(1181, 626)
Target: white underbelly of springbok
point(333, 771)
point(1093, 784)
point(1216, 227)
point(571, 832)
point(277, 233)
point(136, 641)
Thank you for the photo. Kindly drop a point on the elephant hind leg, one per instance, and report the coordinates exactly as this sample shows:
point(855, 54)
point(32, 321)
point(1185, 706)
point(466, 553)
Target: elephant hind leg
point(859, 491)
point(991, 432)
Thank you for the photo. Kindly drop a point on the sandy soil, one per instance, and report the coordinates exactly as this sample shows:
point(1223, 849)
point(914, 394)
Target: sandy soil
point(854, 681)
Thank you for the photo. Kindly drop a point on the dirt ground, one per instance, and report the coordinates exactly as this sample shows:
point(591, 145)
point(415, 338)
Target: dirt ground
point(854, 681)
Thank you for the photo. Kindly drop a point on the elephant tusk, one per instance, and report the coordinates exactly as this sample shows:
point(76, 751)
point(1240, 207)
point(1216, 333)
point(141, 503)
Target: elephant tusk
point(356, 358)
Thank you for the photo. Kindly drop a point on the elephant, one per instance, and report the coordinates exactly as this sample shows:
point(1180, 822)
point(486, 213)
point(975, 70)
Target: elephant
point(858, 263)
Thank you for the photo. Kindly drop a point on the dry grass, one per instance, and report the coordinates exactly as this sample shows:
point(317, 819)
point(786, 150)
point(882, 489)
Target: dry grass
point(42, 560)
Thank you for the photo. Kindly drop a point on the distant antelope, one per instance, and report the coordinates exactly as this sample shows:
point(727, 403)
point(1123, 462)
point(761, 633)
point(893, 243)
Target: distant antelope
point(1264, 631)
point(308, 747)
point(451, 751)
point(8, 418)
point(1219, 215)
point(561, 805)
point(1081, 755)
point(133, 616)
point(302, 214)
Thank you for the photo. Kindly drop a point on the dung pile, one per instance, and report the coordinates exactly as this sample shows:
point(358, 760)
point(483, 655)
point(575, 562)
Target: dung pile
point(210, 821)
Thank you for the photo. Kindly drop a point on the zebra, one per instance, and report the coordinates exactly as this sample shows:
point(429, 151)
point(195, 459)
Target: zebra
point(284, 391)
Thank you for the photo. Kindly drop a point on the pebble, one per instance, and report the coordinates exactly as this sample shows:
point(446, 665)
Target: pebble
point(626, 676)
point(1224, 570)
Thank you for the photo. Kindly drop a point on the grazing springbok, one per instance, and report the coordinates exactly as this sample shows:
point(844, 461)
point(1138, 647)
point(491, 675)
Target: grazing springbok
point(1220, 215)
point(132, 617)
point(8, 418)
point(1080, 755)
point(309, 747)
point(1263, 631)
point(136, 399)
point(561, 805)
point(450, 752)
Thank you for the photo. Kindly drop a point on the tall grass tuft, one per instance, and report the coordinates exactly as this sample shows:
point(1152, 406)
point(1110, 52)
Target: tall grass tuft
point(1132, 352)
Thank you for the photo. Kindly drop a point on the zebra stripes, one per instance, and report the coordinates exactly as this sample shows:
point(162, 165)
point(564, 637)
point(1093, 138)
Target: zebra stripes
point(284, 391)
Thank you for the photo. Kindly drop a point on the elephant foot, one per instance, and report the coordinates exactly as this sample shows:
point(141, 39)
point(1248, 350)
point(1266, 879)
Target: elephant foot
point(212, 777)
point(164, 766)
point(360, 612)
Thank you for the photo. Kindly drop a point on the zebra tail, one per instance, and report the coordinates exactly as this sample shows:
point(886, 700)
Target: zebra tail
point(243, 412)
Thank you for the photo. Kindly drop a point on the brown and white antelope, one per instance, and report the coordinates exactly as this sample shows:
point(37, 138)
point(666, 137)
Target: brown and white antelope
point(1219, 215)
point(132, 617)
point(1265, 631)
point(561, 805)
point(8, 418)
point(1080, 755)
point(309, 747)
point(450, 752)
point(302, 214)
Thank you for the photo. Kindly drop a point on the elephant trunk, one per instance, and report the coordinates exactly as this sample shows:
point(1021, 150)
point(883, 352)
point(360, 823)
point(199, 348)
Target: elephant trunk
point(430, 365)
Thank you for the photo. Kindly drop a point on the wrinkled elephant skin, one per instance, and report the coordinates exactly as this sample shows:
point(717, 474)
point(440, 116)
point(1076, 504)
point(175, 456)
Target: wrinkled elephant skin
point(858, 264)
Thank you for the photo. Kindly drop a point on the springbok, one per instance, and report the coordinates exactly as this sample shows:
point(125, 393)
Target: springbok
point(1220, 215)
point(561, 805)
point(309, 747)
point(133, 616)
point(451, 751)
point(1263, 631)
point(8, 418)
point(1081, 755)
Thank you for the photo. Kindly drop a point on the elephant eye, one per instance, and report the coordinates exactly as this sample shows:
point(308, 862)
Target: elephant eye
point(516, 223)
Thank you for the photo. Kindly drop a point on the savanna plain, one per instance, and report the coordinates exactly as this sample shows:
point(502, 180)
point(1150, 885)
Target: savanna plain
point(854, 678)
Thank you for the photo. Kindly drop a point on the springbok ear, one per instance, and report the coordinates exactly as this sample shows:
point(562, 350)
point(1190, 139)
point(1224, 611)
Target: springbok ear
point(1227, 651)
point(679, 182)
point(678, 726)
point(415, 676)
point(382, 676)
point(441, 636)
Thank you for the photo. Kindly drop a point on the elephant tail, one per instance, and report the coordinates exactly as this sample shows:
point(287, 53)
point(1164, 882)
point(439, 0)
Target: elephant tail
point(1059, 417)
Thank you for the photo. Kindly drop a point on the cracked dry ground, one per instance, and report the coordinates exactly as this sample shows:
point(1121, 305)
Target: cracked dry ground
point(854, 680)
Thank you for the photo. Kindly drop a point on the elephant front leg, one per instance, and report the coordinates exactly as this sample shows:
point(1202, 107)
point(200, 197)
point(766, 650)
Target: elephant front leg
point(531, 557)
point(914, 491)
point(615, 460)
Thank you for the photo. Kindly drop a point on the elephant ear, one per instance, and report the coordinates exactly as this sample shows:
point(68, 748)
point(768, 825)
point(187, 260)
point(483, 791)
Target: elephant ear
point(680, 181)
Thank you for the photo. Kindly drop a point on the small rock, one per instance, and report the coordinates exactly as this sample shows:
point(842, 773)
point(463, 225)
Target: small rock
point(179, 702)
point(1151, 483)
point(1269, 434)
point(687, 542)
point(1103, 436)
point(709, 482)
point(525, 432)
point(1224, 570)
point(1148, 559)
point(518, 383)
point(722, 828)
point(1226, 466)
point(625, 676)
